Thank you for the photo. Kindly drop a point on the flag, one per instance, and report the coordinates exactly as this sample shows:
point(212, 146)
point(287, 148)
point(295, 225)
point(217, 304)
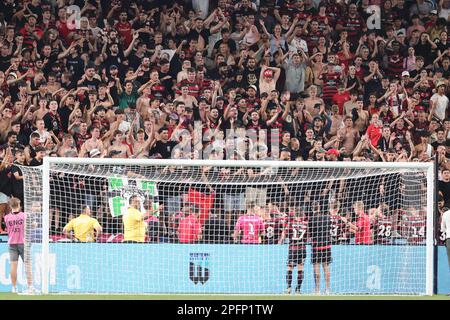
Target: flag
point(121, 189)
point(204, 201)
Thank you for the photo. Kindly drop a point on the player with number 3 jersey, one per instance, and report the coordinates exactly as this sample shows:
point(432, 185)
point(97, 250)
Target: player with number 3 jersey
point(339, 224)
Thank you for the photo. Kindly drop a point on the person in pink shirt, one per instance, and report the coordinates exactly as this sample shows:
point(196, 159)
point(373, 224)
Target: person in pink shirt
point(251, 225)
point(15, 226)
point(190, 228)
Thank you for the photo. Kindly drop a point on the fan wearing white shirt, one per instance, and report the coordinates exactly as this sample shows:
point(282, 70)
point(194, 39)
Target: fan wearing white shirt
point(439, 102)
point(295, 41)
point(42, 131)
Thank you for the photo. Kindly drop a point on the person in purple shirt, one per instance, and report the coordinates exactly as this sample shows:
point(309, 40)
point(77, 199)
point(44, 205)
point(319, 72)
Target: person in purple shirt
point(15, 226)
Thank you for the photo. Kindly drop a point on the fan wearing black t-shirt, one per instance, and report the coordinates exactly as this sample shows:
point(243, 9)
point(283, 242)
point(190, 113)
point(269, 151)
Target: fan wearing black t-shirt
point(163, 146)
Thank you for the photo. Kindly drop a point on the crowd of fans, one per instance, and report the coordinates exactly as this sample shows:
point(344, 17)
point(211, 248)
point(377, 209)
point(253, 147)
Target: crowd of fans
point(227, 79)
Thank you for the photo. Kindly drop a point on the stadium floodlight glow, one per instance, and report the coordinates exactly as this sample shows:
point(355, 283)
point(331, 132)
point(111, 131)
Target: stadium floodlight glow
point(232, 227)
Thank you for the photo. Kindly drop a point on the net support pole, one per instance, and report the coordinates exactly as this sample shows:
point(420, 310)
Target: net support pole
point(436, 225)
point(45, 224)
point(430, 230)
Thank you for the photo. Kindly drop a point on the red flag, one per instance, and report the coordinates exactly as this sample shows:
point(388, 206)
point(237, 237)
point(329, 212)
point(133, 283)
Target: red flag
point(204, 201)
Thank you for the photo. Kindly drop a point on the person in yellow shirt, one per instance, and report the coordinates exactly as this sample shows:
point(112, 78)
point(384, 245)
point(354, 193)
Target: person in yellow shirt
point(85, 228)
point(134, 226)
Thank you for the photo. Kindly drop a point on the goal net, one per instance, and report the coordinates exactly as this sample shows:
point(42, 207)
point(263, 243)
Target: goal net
point(229, 227)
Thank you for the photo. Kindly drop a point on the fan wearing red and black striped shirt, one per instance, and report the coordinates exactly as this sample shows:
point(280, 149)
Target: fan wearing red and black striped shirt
point(191, 83)
point(353, 23)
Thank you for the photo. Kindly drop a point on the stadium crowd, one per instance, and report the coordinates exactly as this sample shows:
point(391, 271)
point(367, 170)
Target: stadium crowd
point(295, 80)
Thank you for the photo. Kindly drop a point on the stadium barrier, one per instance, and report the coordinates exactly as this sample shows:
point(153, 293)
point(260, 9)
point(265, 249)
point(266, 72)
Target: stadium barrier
point(211, 269)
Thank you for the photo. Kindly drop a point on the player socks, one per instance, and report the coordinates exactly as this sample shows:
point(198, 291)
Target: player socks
point(289, 278)
point(299, 280)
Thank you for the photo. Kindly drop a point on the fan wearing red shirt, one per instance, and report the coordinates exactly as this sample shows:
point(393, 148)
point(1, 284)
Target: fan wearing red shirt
point(341, 97)
point(374, 130)
point(363, 233)
point(123, 27)
point(189, 228)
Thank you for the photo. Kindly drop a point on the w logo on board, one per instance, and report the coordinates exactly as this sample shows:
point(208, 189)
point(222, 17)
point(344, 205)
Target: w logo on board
point(198, 267)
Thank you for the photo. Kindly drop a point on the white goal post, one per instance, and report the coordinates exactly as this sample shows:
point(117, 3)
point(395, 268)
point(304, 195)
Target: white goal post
point(397, 259)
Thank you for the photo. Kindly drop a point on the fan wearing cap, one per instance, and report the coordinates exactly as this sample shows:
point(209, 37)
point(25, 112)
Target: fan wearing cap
point(252, 100)
point(432, 21)
point(268, 79)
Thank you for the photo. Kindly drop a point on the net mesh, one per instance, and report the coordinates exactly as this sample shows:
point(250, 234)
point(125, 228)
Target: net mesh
point(226, 229)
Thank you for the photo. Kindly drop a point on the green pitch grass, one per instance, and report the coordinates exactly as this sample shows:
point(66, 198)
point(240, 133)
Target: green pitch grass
point(12, 296)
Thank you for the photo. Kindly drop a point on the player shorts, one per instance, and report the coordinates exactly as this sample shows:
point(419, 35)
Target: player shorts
point(16, 250)
point(321, 256)
point(297, 256)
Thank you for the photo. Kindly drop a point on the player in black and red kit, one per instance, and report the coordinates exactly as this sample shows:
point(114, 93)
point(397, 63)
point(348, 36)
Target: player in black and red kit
point(273, 225)
point(295, 230)
point(383, 227)
point(339, 224)
point(414, 226)
point(319, 225)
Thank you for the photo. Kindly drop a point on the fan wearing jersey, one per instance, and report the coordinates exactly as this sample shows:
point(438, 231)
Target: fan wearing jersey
point(339, 224)
point(414, 226)
point(296, 231)
point(382, 226)
point(251, 225)
point(319, 225)
point(274, 223)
